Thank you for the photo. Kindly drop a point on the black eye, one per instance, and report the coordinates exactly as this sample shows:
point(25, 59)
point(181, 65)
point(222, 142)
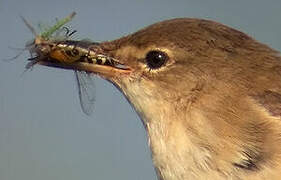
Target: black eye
point(156, 59)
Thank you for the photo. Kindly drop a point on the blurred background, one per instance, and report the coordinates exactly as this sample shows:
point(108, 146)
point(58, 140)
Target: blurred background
point(44, 134)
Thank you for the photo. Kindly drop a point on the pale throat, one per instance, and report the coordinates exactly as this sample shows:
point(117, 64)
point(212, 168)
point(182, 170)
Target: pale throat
point(173, 150)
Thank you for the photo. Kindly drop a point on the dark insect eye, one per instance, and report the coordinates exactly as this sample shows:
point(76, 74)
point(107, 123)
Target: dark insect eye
point(156, 59)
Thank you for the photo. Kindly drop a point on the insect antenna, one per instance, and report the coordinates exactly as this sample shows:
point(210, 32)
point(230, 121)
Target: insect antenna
point(29, 26)
point(21, 50)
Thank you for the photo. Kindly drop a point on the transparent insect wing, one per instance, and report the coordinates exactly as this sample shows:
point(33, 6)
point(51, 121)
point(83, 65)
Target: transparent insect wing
point(86, 89)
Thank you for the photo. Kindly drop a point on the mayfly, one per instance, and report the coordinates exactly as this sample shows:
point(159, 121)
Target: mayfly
point(51, 46)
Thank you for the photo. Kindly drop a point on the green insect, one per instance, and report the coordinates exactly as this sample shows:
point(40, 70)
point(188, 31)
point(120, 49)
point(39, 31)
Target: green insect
point(48, 46)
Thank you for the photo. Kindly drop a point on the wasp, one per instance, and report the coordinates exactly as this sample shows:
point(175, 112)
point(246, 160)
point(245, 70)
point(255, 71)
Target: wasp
point(61, 49)
point(67, 52)
point(71, 51)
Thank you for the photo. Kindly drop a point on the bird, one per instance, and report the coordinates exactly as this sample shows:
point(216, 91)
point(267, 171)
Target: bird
point(209, 97)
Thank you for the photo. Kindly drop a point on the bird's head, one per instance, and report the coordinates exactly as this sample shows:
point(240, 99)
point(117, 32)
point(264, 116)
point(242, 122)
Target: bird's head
point(172, 62)
point(192, 81)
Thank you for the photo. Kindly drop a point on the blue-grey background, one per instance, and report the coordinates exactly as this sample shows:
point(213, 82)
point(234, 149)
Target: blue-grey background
point(43, 133)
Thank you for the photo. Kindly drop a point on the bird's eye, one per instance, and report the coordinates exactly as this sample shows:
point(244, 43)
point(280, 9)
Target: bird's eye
point(156, 59)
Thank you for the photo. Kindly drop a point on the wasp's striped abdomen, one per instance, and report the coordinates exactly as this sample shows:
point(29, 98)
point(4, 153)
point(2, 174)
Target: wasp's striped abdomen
point(77, 51)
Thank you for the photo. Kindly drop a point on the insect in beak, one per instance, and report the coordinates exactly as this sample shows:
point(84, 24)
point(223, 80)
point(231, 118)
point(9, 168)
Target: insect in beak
point(84, 57)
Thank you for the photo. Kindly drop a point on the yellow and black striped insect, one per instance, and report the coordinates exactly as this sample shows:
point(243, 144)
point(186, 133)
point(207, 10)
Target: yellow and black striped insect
point(70, 51)
point(48, 47)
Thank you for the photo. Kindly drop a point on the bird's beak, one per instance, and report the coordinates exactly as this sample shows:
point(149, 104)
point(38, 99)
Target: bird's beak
point(114, 68)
